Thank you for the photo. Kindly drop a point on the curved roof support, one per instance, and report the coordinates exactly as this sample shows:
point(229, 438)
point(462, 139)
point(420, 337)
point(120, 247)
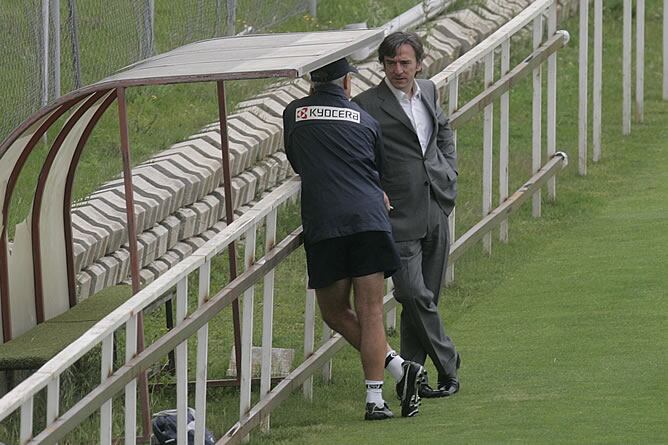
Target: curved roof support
point(67, 197)
point(14, 153)
point(49, 179)
point(129, 192)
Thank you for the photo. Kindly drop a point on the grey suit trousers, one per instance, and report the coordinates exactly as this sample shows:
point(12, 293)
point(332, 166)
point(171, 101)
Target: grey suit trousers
point(417, 287)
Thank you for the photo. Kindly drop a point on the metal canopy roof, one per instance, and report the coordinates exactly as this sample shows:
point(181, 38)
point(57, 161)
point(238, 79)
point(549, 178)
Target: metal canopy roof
point(246, 57)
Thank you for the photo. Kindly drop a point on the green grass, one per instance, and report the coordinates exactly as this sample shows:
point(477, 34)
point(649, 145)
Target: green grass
point(562, 331)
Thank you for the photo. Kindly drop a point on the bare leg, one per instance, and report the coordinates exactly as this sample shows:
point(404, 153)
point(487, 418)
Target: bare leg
point(334, 303)
point(369, 307)
point(366, 333)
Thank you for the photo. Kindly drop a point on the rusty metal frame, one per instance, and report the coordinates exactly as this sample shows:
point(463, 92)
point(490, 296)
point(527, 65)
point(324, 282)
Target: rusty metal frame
point(39, 195)
point(11, 183)
point(229, 216)
point(67, 197)
point(134, 254)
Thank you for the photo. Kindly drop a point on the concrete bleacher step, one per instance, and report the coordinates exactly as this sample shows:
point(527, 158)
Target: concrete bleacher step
point(185, 224)
point(178, 193)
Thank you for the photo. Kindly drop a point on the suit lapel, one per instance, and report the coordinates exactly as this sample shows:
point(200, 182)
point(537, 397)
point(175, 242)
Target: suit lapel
point(391, 106)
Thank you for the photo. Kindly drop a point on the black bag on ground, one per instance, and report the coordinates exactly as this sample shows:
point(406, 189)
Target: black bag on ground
point(164, 428)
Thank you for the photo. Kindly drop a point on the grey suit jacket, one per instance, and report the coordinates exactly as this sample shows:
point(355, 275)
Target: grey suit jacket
point(408, 176)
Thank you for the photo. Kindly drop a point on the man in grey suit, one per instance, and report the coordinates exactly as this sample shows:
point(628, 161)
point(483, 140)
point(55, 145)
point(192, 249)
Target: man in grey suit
point(419, 175)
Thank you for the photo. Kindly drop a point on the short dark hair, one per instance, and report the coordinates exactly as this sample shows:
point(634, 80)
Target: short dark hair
point(391, 43)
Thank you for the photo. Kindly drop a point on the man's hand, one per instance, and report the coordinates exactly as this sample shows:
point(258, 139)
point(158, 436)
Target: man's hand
point(386, 200)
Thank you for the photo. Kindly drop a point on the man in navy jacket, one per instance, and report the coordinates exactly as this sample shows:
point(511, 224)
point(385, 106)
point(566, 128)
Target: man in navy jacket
point(336, 147)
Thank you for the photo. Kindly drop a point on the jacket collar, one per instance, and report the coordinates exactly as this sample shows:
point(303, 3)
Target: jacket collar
point(330, 88)
point(390, 104)
point(400, 95)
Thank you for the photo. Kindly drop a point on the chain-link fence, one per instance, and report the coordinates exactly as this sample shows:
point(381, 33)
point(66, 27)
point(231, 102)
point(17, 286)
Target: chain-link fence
point(50, 47)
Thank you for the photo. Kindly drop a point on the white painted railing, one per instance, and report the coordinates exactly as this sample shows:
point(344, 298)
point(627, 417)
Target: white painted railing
point(113, 382)
point(627, 72)
point(125, 317)
point(665, 49)
point(449, 79)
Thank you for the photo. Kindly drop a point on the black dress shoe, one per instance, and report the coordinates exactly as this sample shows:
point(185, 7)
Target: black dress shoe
point(449, 387)
point(427, 392)
point(445, 388)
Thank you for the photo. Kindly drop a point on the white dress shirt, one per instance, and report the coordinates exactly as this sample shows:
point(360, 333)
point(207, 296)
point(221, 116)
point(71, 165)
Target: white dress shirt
point(416, 111)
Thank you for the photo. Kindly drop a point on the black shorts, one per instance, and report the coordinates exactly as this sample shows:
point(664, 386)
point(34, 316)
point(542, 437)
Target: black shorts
point(350, 256)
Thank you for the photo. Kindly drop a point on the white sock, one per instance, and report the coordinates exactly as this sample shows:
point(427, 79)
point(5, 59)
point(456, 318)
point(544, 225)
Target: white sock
point(374, 392)
point(393, 362)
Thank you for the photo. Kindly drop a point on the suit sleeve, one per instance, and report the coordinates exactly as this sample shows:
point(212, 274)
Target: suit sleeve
point(445, 137)
point(378, 150)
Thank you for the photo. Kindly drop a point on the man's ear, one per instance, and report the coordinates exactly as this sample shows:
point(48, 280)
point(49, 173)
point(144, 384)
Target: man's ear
point(348, 85)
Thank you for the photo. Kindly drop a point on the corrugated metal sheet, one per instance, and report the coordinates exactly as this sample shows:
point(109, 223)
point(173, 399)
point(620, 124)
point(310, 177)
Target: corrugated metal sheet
point(245, 57)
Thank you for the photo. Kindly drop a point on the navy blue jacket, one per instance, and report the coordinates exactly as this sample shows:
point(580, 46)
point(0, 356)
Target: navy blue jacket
point(335, 147)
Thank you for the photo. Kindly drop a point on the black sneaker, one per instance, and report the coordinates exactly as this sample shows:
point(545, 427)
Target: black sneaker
point(409, 386)
point(374, 412)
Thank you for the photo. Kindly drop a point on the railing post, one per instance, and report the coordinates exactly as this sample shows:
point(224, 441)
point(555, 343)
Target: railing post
point(640, 60)
point(552, 99)
point(202, 355)
point(27, 420)
point(582, 110)
point(106, 370)
point(598, 77)
point(626, 70)
point(537, 117)
point(453, 98)
point(52, 400)
point(665, 49)
point(327, 369)
point(182, 365)
point(309, 338)
point(130, 427)
point(504, 138)
point(487, 157)
point(247, 330)
point(268, 315)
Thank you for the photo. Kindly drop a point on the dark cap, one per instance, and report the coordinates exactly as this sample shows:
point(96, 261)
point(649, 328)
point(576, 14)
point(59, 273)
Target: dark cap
point(332, 71)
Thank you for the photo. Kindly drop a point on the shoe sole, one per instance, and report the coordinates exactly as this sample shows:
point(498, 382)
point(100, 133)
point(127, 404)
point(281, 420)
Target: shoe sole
point(410, 400)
